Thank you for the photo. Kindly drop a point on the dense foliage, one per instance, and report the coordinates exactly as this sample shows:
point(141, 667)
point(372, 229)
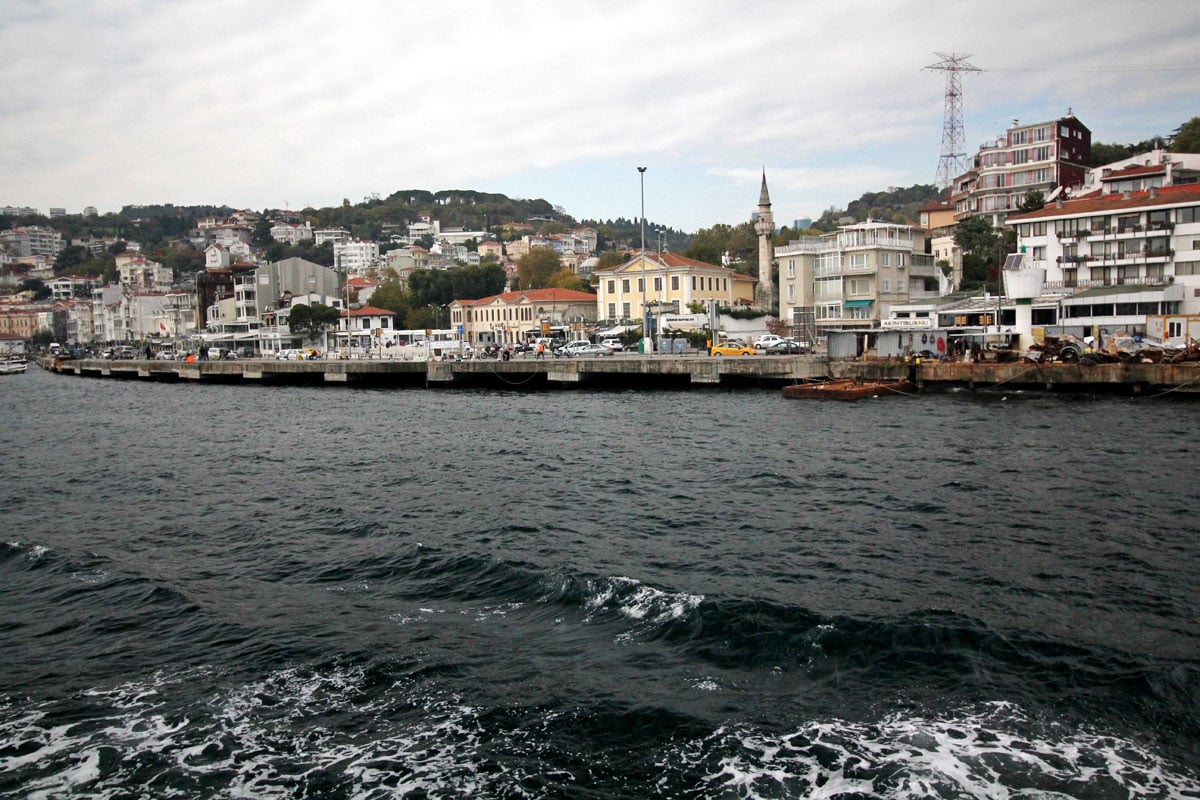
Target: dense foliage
point(899, 205)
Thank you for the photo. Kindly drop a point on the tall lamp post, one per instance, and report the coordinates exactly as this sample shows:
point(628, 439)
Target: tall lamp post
point(647, 342)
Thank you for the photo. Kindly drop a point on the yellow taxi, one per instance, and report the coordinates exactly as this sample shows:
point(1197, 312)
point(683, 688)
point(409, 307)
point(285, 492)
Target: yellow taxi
point(731, 348)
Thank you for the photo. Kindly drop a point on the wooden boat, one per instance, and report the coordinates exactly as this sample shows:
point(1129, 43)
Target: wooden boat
point(848, 389)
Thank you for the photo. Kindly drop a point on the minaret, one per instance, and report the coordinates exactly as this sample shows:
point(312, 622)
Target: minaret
point(764, 293)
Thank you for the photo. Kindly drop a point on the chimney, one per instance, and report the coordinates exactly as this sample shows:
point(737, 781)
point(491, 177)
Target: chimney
point(1126, 195)
point(1153, 192)
point(1058, 203)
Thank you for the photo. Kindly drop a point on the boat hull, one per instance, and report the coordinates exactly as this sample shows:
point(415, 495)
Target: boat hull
point(848, 389)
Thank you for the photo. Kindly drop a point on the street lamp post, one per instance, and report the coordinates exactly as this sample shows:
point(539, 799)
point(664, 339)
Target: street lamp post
point(647, 342)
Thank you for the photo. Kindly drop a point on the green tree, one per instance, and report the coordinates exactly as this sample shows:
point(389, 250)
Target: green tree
point(430, 287)
point(71, 257)
point(536, 267)
point(566, 279)
point(391, 295)
point(36, 287)
point(1187, 137)
point(1033, 200)
point(427, 316)
point(611, 258)
point(309, 321)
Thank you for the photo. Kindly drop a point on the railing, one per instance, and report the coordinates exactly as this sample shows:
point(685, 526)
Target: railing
point(1090, 283)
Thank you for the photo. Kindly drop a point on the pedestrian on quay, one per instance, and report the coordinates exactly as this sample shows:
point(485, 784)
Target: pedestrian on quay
point(541, 350)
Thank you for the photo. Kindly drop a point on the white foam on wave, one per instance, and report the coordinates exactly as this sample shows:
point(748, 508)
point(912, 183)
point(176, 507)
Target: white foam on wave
point(265, 739)
point(635, 600)
point(305, 732)
point(996, 752)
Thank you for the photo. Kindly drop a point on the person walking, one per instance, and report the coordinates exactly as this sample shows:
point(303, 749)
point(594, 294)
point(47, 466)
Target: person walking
point(541, 350)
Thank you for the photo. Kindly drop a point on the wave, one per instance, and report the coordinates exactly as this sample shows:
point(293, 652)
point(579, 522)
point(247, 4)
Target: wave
point(343, 729)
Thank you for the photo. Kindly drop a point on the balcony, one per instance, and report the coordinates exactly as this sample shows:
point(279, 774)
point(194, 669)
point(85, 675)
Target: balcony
point(1075, 283)
point(1074, 235)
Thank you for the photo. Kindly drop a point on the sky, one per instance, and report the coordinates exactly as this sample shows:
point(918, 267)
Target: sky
point(263, 104)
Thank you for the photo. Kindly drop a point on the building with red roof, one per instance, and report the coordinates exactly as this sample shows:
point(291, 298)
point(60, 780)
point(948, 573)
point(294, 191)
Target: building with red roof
point(518, 316)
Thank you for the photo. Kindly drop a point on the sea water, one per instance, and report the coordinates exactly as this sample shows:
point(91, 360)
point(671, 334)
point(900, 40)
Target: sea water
point(248, 591)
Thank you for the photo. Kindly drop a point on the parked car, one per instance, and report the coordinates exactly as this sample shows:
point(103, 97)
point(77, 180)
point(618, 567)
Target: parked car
point(763, 342)
point(582, 348)
point(612, 344)
point(731, 348)
point(785, 347)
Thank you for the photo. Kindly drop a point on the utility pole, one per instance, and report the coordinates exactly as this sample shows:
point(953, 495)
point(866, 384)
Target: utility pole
point(953, 161)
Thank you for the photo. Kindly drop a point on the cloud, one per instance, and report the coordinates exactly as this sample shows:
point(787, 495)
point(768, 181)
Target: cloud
point(250, 104)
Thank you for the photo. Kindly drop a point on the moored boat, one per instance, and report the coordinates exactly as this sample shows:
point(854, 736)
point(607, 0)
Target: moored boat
point(848, 389)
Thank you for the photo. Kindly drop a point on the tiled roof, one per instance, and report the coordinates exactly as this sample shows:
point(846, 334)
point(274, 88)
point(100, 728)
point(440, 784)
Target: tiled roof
point(1111, 203)
point(370, 311)
point(1129, 172)
point(535, 296)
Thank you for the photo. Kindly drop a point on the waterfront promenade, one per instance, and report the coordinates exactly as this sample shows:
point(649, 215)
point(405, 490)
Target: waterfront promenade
point(648, 371)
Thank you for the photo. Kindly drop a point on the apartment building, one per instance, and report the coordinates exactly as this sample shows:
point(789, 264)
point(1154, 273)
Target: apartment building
point(1045, 156)
point(849, 279)
point(1145, 241)
point(32, 240)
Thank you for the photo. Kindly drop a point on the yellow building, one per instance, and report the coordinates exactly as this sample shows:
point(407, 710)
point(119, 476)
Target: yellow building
point(666, 283)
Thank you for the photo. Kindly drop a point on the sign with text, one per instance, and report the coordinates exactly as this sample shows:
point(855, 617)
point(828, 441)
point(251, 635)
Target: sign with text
point(906, 323)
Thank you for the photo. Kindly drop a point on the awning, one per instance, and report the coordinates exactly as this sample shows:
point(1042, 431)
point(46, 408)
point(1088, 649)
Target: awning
point(857, 303)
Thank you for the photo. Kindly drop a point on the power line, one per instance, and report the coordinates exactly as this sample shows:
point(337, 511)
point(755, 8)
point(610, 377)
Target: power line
point(952, 162)
point(1093, 69)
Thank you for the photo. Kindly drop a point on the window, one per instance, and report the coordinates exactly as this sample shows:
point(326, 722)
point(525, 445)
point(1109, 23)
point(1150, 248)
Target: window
point(885, 285)
point(612, 310)
point(674, 283)
point(885, 259)
point(625, 310)
point(1191, 214)
point(858, 286)
point(612, 287)
point(1039, 229)
point(791, 268)
point(625, 285)
point(1174, 328)
point(641, 284)
point(1187, 268)
point(658, 283)
point(791, 292)
point(1039, 254)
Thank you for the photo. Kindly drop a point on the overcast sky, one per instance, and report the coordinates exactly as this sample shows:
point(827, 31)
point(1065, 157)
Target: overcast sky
point(273, 104)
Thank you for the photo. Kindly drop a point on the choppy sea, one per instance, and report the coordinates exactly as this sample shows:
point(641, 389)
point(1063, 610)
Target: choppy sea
point(275, 592)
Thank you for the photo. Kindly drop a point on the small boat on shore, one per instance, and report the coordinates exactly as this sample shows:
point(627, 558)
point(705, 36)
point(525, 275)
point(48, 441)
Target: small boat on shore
point(12, 365)
point(848, 389)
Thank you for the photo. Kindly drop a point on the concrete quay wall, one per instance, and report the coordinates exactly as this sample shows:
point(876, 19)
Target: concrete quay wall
point(624, 370)
point(638, 371)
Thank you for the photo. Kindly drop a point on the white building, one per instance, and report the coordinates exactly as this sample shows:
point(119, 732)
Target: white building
point(32, 240)
point(851, 278)
point(291, 234)
point(355, 257)
point(138, 273)
point(1147, 240)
